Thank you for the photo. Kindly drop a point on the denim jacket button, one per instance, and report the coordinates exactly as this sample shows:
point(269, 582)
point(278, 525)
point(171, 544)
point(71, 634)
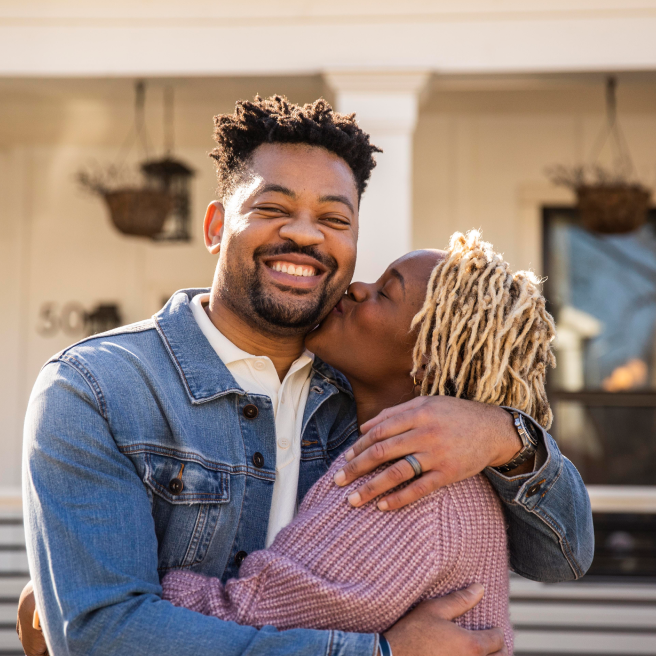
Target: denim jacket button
point(258, 460)
point(175, 486)
point(250, 411)
point(533, 490)
point(239, 557)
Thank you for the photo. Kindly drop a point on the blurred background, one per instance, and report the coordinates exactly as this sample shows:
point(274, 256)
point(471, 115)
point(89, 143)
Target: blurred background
point(533, 120)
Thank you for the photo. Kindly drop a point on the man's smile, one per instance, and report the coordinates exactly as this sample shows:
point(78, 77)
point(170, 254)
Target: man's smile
point(295, 270)
point(298, 270)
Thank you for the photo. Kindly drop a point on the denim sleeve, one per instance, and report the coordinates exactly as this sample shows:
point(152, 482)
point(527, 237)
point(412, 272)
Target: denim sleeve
point(92, 547)
point(550, 533)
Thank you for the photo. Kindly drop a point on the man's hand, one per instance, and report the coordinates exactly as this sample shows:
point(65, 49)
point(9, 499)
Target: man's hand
point(34, 644)
point(452, 439)
point(429, 631)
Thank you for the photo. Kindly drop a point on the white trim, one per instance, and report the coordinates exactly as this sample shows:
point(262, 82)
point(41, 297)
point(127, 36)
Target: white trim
point(622, 498)
point(626, 590)
point(592, 642)
point(128, 46)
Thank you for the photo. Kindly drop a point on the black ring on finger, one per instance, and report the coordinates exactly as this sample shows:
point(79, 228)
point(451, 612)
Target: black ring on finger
point(415, 464)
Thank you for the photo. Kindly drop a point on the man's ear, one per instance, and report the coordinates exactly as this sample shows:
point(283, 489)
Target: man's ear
point(213, 226)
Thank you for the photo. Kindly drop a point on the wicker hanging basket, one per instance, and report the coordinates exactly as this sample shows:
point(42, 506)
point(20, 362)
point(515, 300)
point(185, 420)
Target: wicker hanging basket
point(610, 200)
point(141, 200)
point(138, 212)
point(613, 209)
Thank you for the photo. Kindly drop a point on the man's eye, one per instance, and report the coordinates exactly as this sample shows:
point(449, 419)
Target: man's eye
point(334, 219)
point(382, 293)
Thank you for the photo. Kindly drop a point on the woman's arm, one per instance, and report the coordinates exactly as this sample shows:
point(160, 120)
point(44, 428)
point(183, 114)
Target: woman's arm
point(334, 566)
point(360, 569)
point(483, 554)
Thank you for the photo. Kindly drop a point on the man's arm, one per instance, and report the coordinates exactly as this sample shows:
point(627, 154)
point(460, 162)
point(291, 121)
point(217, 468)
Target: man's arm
point(547, 505)
point(92, 547)
point(550, 529)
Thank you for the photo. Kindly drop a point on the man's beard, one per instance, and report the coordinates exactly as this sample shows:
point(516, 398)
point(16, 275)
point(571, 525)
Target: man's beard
point(271, 313)
point(285, 315)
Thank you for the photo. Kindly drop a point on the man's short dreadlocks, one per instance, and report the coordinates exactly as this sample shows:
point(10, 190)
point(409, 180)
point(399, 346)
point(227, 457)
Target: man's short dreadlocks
point(276, 120)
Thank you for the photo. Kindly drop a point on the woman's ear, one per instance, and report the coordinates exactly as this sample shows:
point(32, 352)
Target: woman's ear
point(213, 226)
point(421, 373)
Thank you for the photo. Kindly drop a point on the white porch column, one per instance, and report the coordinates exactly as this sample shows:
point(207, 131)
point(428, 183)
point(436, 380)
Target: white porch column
point(386, 105)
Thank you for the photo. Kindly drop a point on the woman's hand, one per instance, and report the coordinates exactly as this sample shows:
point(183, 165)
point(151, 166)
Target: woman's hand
point(452, 439)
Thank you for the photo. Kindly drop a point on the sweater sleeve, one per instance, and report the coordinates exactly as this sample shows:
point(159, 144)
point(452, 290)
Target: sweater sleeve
point(356, 569)
point(478, 526)
point(359, 569)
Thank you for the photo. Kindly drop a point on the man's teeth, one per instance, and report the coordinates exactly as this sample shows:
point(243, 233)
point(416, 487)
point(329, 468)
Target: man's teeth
point(294, 269)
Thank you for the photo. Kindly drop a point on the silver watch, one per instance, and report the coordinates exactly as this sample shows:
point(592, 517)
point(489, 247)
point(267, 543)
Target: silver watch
point(530, 441)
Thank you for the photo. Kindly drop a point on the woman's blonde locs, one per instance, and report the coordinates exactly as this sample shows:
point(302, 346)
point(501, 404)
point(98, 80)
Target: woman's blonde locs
point(484, 332)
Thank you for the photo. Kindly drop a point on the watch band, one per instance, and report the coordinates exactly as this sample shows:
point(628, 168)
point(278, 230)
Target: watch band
point(529, 440)
point(384, 648)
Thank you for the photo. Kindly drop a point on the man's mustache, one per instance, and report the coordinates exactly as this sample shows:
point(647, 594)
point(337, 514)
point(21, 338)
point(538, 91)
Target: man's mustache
point(290, 247)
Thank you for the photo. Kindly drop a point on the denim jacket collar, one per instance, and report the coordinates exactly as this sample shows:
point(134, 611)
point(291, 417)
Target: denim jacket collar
point(203, 373)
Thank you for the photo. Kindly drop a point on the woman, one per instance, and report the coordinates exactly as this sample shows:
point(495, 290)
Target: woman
point(479, 332)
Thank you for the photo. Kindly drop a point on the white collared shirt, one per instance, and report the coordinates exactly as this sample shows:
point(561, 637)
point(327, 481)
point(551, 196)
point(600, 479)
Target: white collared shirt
point(257, 375)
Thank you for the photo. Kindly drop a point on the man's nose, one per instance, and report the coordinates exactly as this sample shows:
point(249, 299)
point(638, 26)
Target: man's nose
point(359, 291)
point(303, 230)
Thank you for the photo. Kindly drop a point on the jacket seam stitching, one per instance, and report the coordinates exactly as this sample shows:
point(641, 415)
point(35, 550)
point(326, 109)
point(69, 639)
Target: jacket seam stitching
point(76, 365)
point(549, 521)
point(243, 496)
point(194, 542)
point(208, 464)
point(564, 543)
point(306, 423)
point(123, 330)
point(331, 637)
point(178, 366)
point(334, 444)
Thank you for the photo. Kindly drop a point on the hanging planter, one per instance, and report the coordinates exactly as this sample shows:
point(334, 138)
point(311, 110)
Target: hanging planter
point(609, 202)
point(139, 212)
point(143, 203)
point(613, 209)
point(135, 210)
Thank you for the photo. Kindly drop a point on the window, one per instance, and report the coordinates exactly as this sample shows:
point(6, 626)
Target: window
point(601, 289)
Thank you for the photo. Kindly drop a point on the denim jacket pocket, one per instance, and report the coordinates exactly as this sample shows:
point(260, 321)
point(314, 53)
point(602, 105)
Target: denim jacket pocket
point(185, 481)
point(188, 499)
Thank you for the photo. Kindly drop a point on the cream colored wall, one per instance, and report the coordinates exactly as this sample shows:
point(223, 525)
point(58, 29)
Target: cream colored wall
point(13, 345)
point(56, 242)
point(481, 148)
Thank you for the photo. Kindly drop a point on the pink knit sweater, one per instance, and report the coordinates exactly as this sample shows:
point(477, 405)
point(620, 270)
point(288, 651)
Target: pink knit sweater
point(359, 569)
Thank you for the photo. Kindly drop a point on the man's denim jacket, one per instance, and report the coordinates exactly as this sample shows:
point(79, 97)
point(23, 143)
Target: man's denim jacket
point(143, 455)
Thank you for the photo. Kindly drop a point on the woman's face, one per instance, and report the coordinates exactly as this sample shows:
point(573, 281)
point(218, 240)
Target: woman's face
point(367, 336)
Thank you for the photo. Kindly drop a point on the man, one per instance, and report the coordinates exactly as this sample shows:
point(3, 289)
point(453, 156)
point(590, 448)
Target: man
point(187, 440)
